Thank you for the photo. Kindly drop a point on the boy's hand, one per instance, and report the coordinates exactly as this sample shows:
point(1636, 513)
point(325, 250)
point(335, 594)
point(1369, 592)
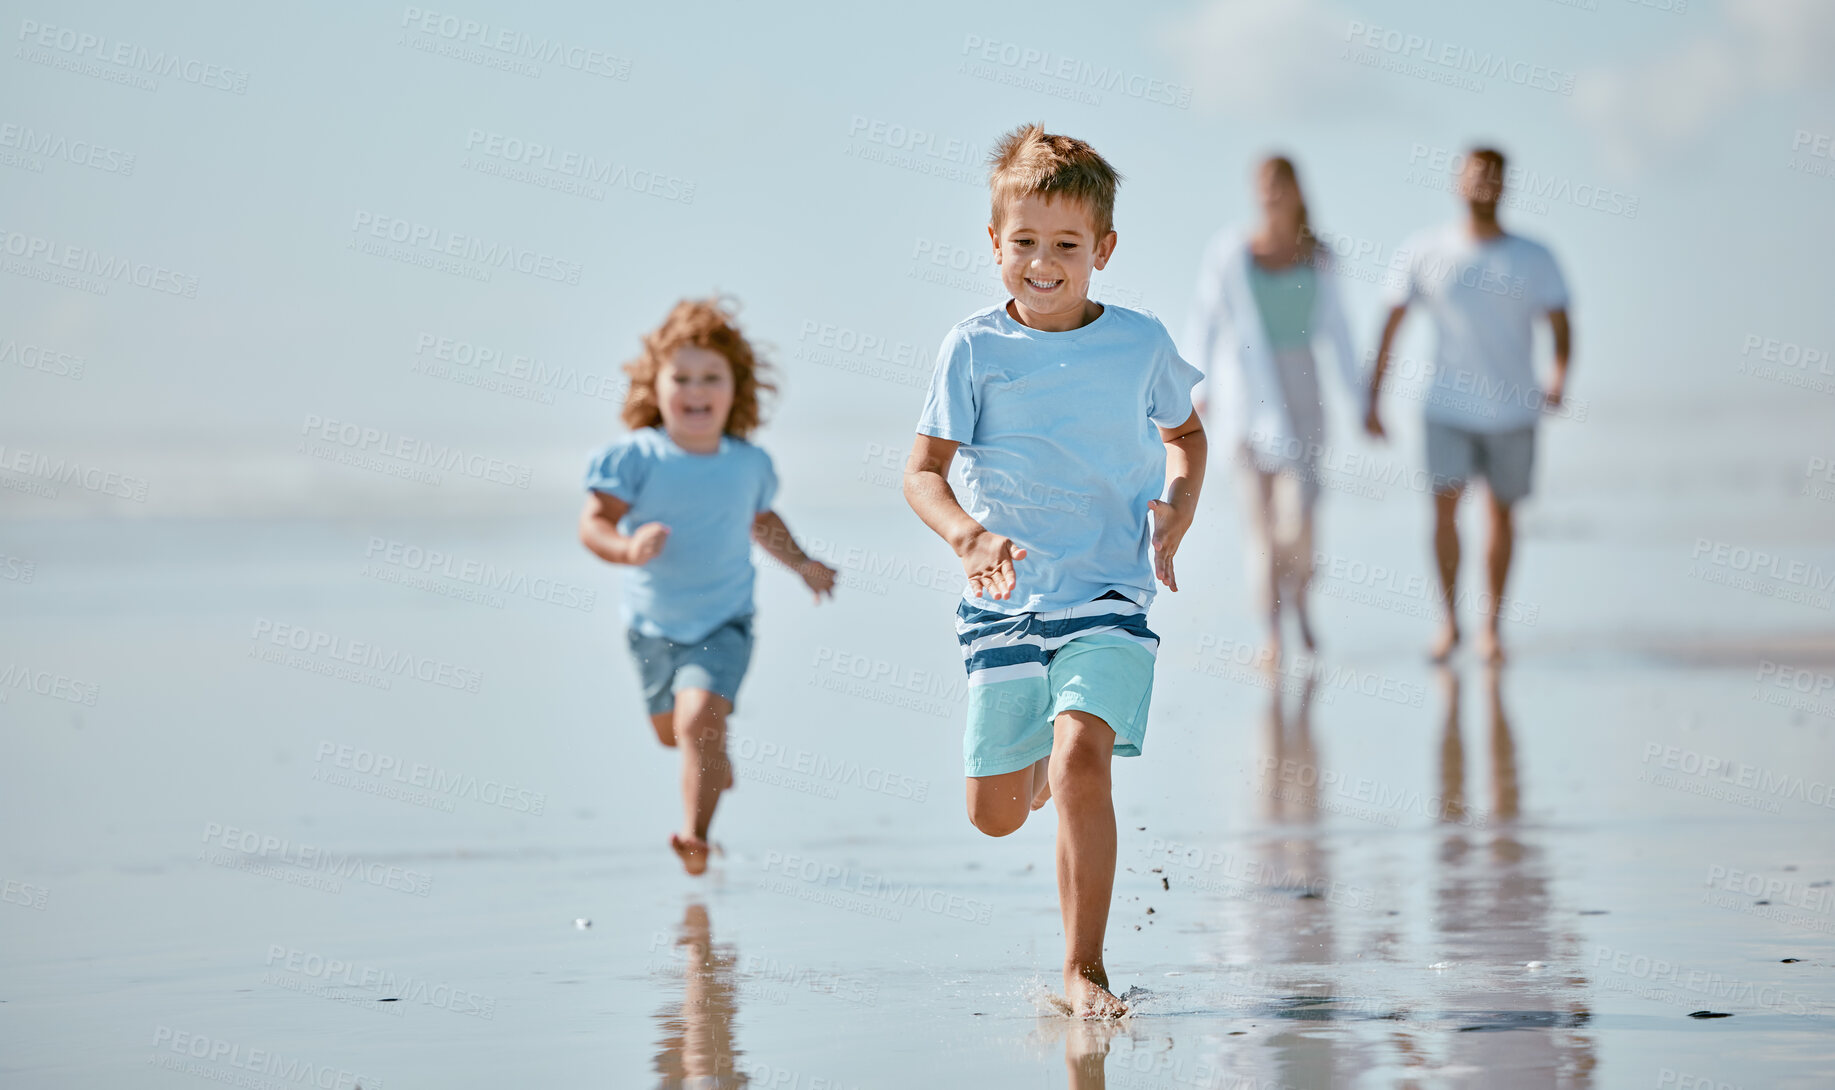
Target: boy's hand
point(988, 559)
point(1169, 526)
point(647, 540)
point(818, 577)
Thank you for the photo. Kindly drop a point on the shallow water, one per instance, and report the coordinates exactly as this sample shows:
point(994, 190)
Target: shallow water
point(1393, 875)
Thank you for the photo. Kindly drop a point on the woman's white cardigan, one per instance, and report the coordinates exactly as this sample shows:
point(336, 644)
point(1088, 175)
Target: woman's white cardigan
point(1226, 340)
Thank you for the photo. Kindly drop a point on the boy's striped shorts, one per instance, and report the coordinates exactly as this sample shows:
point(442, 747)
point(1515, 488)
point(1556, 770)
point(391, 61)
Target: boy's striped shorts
point(1026, 668)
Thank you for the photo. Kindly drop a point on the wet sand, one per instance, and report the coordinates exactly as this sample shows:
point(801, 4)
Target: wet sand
point(265, 870)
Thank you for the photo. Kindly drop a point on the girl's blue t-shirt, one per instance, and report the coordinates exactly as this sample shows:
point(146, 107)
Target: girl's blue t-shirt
point(703, 576)
point(1060, 446)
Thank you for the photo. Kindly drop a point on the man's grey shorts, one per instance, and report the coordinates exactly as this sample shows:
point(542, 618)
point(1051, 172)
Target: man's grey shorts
point(1503, 458)
point(717, 663)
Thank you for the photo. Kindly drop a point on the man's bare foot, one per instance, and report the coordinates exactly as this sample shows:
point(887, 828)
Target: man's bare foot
point(1041, 775)
point(1087, 990)
point(1444, 643)
point(1490, 649)
point(693, 851)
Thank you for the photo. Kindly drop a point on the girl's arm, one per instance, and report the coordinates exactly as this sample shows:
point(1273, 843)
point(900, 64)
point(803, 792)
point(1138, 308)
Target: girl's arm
point(774, 537)
point(599, 532)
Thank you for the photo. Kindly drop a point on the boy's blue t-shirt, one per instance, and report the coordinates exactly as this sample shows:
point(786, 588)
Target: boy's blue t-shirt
point(703, 576)
point(1060, 446)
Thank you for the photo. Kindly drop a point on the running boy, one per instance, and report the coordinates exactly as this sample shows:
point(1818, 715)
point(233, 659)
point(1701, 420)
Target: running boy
point(1070, 416)
point(680, 499)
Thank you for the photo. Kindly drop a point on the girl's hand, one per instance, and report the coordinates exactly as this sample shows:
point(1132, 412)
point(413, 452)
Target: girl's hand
point(989, 560)
point(647, 540)
point(1169, 526)
point(818, 577)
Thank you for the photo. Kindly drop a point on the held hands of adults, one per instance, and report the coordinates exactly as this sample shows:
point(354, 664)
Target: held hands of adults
point(1373, 424)
point(1169, 526)
point(647, 541)
point(1551, 397)
point(988, 559)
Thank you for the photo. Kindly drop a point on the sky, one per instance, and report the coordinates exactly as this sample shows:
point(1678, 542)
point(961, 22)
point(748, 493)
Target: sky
point(281, 178)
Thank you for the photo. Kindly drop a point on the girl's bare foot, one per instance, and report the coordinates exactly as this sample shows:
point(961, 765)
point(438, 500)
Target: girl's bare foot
point(1087, 989)
point(1443, 645)
point(1041, 775)
point(693, 851)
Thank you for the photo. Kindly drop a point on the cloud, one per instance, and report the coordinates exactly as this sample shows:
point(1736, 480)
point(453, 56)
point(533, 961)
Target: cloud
point(1661, 107)
point(1246, 57)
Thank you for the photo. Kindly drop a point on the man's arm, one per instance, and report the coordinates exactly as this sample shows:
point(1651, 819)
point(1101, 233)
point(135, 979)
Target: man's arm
point(986, 557)
point(774, 537)
point(1373, 422)
point(599, 532)
point(1186, 452)
point(1564, 343)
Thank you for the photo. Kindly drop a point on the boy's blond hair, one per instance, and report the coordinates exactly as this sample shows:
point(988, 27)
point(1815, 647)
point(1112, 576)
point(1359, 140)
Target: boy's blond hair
point(1030, 161)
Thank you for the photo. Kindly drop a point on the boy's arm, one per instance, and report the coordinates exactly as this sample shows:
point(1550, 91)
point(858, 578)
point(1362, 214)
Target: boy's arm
point(986, 557)
point(599, 532)
point(1564, 343)
point(1186, 452)
point(1373, 423)
point(774, 537)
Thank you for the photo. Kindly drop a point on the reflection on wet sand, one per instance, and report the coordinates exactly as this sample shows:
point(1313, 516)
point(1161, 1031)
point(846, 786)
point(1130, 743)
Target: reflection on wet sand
point(695, 1051)
point(1291, 920)
point(1492, 909)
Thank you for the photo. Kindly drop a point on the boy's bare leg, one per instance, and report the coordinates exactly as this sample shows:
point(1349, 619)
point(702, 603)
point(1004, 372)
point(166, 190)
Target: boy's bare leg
point(1446, 559)
point(1041, 781)
point(1082, 747)
point(700, 728)
point(1499, 544)
point(998, 805)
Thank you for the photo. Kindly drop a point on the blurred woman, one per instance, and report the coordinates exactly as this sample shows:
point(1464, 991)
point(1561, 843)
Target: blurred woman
point(1264, 297)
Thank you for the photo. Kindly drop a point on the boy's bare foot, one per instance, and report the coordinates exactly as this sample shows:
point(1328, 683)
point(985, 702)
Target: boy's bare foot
point(1490, 649)
point(693, 851)
point(1444, 643)
point(1087, 990)
point(1041, 775)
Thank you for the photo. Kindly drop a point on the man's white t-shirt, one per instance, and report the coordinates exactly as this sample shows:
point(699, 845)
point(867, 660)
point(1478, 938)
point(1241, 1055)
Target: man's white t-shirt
point(1485, 296)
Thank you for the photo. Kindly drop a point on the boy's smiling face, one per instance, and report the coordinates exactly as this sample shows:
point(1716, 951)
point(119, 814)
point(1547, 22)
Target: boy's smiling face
point(1047, 250)
point(694, 392)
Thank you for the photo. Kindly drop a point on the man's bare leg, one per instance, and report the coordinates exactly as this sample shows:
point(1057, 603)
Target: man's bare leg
point(1446, 561)
point(1499, 544)
point(1082, 748)
point(700, 729)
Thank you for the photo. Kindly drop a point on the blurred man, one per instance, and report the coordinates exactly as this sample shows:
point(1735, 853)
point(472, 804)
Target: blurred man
point(1484, 288)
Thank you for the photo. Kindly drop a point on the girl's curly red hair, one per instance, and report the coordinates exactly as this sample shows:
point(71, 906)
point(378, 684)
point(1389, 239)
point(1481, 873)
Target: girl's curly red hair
point(702, 323)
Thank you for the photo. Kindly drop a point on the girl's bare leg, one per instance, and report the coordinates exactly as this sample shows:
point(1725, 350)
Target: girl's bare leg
point(700, 730)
